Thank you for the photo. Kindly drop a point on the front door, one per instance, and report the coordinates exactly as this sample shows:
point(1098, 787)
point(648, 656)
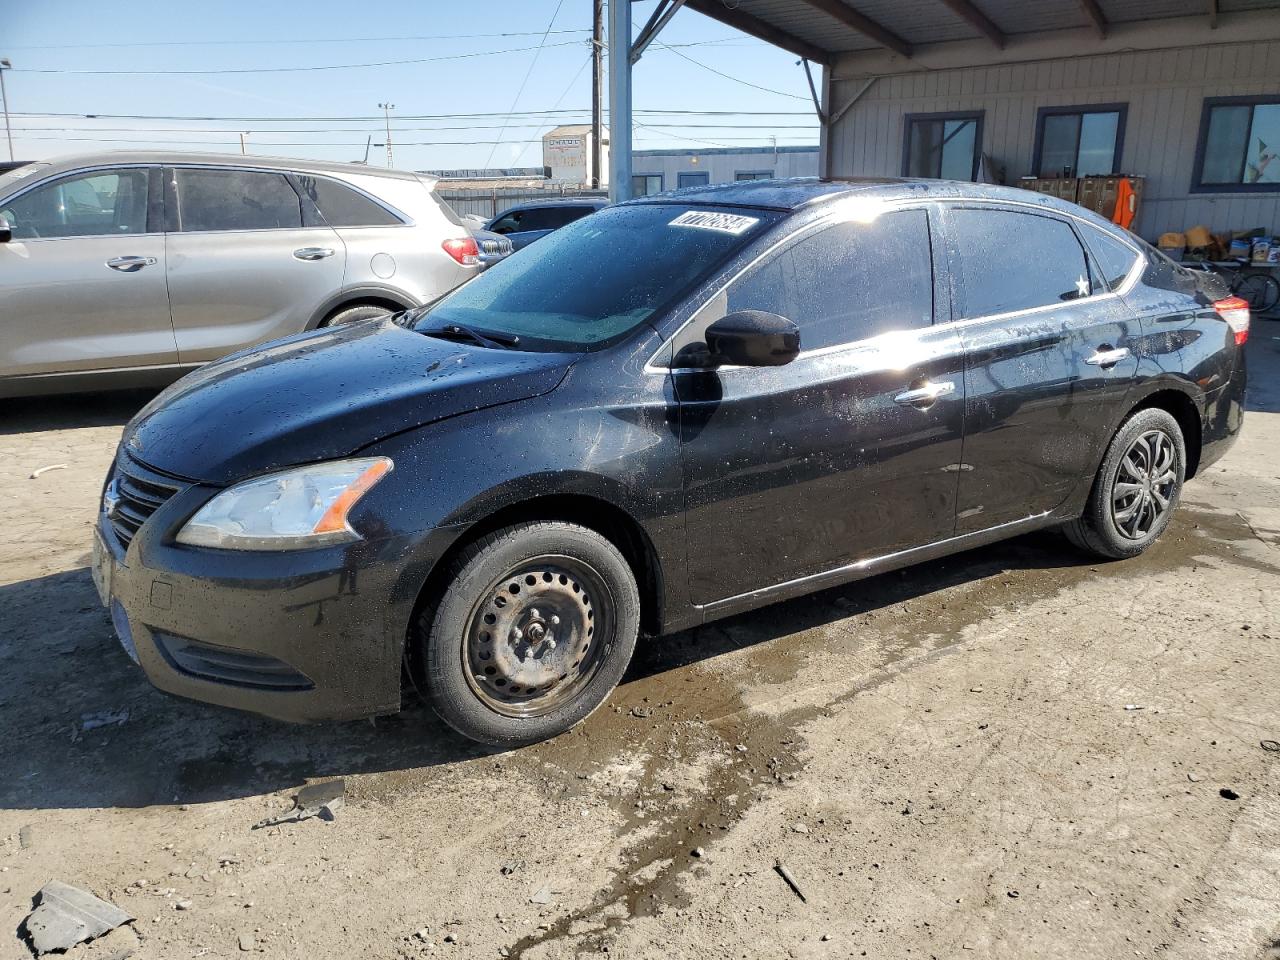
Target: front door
point(243, 268)
point(849, 452)
point(82, 280)
point(1049, 361)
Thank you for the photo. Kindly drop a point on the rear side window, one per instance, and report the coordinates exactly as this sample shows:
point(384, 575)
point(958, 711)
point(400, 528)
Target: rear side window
point(1008, 261)
point(846, 282)
point(236, 200)
point(1115, 257)
point(343, 207)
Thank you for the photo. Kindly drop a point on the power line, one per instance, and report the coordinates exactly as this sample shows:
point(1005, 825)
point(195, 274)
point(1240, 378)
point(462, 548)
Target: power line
point(698, 63)
point(428, 116)
point(529, 72)
point(343, 143)
point(396, 129)
point(276, 43)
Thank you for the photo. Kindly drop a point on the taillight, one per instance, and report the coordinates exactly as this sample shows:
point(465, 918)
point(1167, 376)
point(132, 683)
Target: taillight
point(1235, 311)
point(464, 251)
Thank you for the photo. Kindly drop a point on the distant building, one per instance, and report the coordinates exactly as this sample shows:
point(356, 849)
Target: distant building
point(658, 170)
point(566, 153)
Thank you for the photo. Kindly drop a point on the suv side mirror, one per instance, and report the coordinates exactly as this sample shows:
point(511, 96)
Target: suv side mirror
point(6, 232)
point(753, 338)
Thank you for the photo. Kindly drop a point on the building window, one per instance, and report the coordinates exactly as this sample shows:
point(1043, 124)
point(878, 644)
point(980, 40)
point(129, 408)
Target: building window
point(646, 184)
point(1079, 141)
point(742, 175)
point(942, 145)
point(1239, 146)
point(692, 179)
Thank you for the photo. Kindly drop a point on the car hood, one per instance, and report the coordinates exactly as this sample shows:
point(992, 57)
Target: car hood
point(326, 394)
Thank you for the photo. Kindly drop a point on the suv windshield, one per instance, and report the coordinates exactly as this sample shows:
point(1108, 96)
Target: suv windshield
point(590, 283)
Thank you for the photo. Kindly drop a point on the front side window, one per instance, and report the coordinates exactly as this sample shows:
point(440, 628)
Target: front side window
point(693, 179)
point(1115, 258)
point(842, 283)
point(597, 279)
point(343, 207)
point(646, 184)
point(1008, 261)
point(235, 200)
point(1239, 148)
point(943, 146)
point(1079, 141)
point(87, 205)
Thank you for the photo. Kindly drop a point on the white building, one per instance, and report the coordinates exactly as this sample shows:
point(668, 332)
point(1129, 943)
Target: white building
point(656, 170)
point(566, 153)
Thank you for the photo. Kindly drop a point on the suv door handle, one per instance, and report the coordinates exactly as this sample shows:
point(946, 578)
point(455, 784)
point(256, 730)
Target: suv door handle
point(130, 264)
point(925, 397)
point(313, 253)
point(1105, 356)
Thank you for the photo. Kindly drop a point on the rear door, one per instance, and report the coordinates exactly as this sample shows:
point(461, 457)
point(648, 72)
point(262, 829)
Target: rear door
point(82, 283)
point(249, 259)
point(849, 452)
point(1050, 358)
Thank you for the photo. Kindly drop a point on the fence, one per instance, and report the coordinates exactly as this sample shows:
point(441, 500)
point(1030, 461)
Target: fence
point(490, 203)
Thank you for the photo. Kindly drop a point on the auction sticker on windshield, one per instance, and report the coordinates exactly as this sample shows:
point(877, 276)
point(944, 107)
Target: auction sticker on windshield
point(708, 220)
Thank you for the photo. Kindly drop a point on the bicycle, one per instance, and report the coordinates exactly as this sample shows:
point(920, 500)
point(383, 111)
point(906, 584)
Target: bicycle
point(1260, 290)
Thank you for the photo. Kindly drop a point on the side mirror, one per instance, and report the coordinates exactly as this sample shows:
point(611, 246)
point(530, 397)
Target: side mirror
point(6, 232)
point(753, 338)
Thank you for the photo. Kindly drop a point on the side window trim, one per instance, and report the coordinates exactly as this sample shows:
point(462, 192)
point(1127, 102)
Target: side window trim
point(150, 169)
point(658, 362)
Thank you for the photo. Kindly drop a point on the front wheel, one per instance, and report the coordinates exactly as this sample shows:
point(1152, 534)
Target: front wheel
point(1136, 488)
point(535, 628)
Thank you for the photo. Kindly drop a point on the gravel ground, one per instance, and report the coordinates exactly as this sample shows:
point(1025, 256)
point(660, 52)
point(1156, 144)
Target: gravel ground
point(1014, 752)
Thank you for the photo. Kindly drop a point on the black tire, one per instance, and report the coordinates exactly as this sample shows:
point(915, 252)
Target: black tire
point(1124, 515)
point(497, 670)
point(361, 311)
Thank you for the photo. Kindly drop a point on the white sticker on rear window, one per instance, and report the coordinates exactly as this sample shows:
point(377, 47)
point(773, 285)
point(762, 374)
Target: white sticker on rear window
point(707, 220)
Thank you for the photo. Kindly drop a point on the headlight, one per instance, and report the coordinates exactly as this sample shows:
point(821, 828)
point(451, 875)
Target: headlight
point(293, 509)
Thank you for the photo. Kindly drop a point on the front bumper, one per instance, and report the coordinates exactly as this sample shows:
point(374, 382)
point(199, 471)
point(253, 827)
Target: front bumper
point(303, 635)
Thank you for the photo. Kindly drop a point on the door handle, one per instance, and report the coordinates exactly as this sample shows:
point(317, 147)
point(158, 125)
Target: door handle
point(313, 253)
point(130, 264)
point(926, 396)
point(1105, 356)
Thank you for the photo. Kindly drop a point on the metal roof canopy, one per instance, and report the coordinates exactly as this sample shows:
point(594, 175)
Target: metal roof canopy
point(901, 31)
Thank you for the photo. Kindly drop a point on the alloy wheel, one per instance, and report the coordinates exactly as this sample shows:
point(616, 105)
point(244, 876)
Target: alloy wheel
point(1144, 484)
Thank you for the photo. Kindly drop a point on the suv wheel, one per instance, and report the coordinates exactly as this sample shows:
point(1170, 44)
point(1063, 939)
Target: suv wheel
point(536, 627)
point(1136, 489)
point(361, 311)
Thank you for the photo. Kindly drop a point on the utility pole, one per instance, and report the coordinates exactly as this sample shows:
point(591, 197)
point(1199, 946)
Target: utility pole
point(597, 87)
point(243, 151)
point(6, 65)
point(386, 112)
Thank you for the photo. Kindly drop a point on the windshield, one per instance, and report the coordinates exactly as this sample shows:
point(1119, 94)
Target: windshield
point(590, 283)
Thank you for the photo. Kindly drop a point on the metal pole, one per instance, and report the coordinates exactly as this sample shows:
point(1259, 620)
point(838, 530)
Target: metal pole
point(243, 151)
point(619, 100)
point(386, 112)
point(5, 65)
point(597, 87)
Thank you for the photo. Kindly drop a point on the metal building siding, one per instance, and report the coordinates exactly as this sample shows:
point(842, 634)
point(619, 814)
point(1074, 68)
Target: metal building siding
point(1164, 89)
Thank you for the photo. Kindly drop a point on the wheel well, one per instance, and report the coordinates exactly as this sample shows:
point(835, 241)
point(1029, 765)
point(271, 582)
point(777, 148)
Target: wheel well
point(1181, 407)
point(384, 302)
point(611, 522)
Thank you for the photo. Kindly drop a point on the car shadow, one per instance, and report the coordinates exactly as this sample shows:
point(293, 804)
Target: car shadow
point(89, 731)
point(70, 411)
point(1262, 353)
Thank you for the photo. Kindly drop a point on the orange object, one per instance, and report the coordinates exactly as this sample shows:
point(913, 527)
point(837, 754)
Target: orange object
point(1126, 204)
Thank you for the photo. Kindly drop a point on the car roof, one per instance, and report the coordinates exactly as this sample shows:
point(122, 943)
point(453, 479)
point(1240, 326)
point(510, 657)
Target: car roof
point(114, 157)
point(560, 202)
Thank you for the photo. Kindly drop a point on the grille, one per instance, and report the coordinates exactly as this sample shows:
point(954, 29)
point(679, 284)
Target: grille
point(139, 493)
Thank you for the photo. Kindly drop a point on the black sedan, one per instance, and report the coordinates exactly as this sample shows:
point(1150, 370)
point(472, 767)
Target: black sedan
point(532, 221)
point(677, 409)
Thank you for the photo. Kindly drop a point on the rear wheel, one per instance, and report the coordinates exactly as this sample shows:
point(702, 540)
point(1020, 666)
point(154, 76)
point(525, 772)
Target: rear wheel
point(361, 311)
point(535, 628)
point(1136, 489)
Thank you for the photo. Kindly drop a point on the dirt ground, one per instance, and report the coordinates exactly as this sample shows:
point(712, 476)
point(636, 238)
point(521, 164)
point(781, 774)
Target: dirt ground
point(1014, 753)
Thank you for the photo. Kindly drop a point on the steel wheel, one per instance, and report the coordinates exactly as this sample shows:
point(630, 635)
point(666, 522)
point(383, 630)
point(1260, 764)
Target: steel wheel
point(535, 638)
point(1144, 484)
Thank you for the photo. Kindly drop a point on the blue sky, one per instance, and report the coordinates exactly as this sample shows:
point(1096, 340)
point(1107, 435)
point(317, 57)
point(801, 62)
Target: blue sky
point(135, 52)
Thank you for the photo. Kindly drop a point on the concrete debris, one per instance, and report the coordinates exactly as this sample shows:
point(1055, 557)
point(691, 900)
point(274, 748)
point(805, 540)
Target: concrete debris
point(54, 466)
point(182, 905)
point(67, 915)
point(246, 943)
point(1193, 778)
point(794, 884)
point(798, 827)
point(1271, 746)
point(26, 837)
point(322, 800)
point(103, 718)
point(543, 895)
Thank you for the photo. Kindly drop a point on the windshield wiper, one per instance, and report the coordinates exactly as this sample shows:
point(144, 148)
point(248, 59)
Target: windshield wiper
point(457, 330)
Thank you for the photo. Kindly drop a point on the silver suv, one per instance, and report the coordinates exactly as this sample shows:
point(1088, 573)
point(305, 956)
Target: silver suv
point(129, 269)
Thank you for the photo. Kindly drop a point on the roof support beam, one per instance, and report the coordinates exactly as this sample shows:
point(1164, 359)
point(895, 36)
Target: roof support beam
point(748, 24)
point(662, 15)
point(1096, 16)
point(971, 15)
point(1213, 14)
point(863, 24)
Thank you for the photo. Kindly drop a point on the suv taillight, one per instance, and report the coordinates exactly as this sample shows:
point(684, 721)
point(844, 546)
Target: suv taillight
point(464, 251)
point(1235, 311)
